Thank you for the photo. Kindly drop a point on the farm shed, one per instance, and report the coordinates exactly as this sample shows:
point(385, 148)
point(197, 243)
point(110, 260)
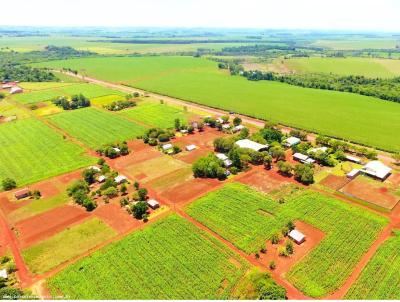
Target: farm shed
point(238, 128)
point(319, 149)
point(221, 156)
point(297, 236)
point(191, 147)
point(167, 147)
point(22, 193)
point(117, 150)
point(15, 90)
point(376, 169)
point(95, 168)
point(291, 141)
point(3, 273)
point(154, 204)
point(246, 143)
point(353, 173)
point(184, 131)
point(353, 159)
point(226, 127)
point(120, 179)
point(303, 158)
point(101, 178)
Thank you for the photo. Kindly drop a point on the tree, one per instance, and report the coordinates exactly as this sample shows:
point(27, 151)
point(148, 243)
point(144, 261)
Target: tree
point(244, 133)
point(271, 135)
point(139, 209)
point(285, 168)
point(200, 126)
point(304, 173)
point(9, 184)
point(124, 189)
point(272, 265)
point(136, 185)
point(10, 293)
point(89, 175)
point(110, 192)
point(207, 167)
point(290, 225)
point(177, 124)
point(36, 194)
point(225, 118)
point(190, 129)
point(176, 149)
point(268, 162)
point(101, 161)
point(275, 238)
point(289, 247)
point(237, 121)
point(278, 153)
point(396, 157)
point(371, 154)
point(142, 192)
point(223, 144)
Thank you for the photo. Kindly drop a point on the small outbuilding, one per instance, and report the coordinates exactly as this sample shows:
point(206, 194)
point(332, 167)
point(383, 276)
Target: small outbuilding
point(152, 203)
point(226, 127)
point(291, 141)
point(15, 90)
point(238, 128)
point(95, 168)
point(377, 170)
point(101, 178)
point(318, 149)
point(191, 147)
point(120, 179)
point(117, 150)
point(22, 193)
point(3, 273)
point(305, 159)
point(221, 156)
point(353, 159)
point(167, 147)
point(249, 144)
point(297, 236)
point(353, 173)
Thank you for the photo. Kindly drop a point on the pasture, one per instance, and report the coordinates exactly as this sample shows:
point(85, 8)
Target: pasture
point(170, 259)
point(95, 127)
point(155, 114)
point(248, 218)
point(41, 94)
point(353, 117)
point(372, 68)
point(380, 279)
point(65, 245)
point(31, 151)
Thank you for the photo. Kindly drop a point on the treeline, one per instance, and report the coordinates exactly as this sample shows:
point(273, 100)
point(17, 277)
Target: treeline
point(385, 89)
point(22, 73)
point(262, 49)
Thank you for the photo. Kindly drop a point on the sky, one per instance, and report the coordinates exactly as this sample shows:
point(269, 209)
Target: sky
point(365, 15)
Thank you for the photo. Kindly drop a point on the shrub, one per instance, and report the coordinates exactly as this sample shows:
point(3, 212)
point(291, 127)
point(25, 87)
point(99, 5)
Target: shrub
point(9, 184)
point(275, 238)
point(282, 251)
point(139, 209)
point(289, 247)
point(142, 193)
point(110, 192)
point(163, 138)
point(272, 265)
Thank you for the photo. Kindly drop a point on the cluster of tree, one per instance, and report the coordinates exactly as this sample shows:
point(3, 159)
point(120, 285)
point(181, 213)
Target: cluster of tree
point(22, 73)
point(303, 173)
point(209, 167)
point(154, 136)
point(385, 89)
point(79, 191)
point(114, 150)
point(8, 291)
point(137, 205)
point(189, 128)
point(76, 102)
point(8, 184)
point(119, 105)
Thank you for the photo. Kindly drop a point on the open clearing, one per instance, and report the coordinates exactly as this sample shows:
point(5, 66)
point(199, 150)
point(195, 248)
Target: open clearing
point(95, 127)
point(37, 152)
point(170, 259)
point(380, 279)
point(65, 245)
point(42, 93)
point(383, 68)
point(234, 213)
point(349, 116)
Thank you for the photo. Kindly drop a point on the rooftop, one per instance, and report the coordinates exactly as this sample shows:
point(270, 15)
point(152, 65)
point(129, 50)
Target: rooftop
point(246, 143)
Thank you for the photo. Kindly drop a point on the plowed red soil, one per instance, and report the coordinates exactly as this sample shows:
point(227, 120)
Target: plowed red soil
point(117, 217)
point(335, 182)
point(192, 156)
point(42, 226)
point(263, 180)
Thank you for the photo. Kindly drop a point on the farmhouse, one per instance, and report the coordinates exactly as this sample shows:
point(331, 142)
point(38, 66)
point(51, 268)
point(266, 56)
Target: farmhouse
point(238, 128)
point(319, 149)
point(101, 178)
point(303, 158)
point(117, 150)
point(248, 144)
point(120, 179)
point(191, 147)
point(297, 236)
point(353, 173)
point(154, 204)
point(376, 169)
point(353, 159)
point(3, 273)
point(15, 90)
point(291, 141)
point(22, 193)
point(167, 147)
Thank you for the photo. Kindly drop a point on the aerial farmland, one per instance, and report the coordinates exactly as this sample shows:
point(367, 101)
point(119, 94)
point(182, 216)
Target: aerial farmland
point(199, 163)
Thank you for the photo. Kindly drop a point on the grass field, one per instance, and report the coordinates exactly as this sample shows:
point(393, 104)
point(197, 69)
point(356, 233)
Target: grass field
point(156, 114)
point(95, 127)
point(62, 89)
point(47, 108)
point(30, 151)
point(383, 68)
point(170, 259)
point(345, 115)
point(380, 279)
point(67, 244)
point(8, 109)
point(238, 213)
point(35, 86)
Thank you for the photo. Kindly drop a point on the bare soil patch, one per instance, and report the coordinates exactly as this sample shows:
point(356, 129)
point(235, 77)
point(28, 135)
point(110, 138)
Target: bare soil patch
point(263, 180)
point(335, 182)
point(116, 217)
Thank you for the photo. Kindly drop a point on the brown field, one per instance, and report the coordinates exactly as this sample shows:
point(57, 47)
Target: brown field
point(171, 180)
point(116, 217)
point(335, 182)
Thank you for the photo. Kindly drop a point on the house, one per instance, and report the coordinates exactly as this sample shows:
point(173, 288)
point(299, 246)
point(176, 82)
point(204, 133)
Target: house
point(220, 120)
point(353, 173)
point(95, 168)
point(184, 131)
point(248, 144)
point(238, 128)
point(305, 159)
point(297, 236)
point(191, 148)
point(226, 127)
point(319, 149)
point(291, 141)
point(22, 193)
point(167, 147)
point(120, 179)
point(3, 273)
point(101, 178)
point(221, 156)
point(15, 90)
point(154, 204)
point(117, 150)
point(227, 163)
point(353, 159)
point(376, 169)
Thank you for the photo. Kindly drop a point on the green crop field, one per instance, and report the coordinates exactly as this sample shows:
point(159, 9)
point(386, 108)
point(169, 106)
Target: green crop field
point(95, 127)
point(349, 116)
point(67, 244)
point(34, 86)
point(383, 68)
point(7, 109)
point(171, 259)
point(106, 100)
point(380, 279)
point(62, 89)
point(31, 151)
point(247, 218)
point(156, 114)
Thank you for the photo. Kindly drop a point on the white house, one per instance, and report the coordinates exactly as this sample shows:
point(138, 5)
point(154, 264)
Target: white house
point(226, 127)
point(154, 204)
point(305, 159)
point(376, 169)
point(246, 143)
point(3, 273)
point(238, 128)
point(120, 179)
point(353, 173)
point(191, 147)
point(291, 141)
point(167, 147)
point(101, 178)
point(15, 89)
point(221, 156)
point(353, 159)
point(95, 168)
point(319, 149)
point(117, 150)
point(297, 236)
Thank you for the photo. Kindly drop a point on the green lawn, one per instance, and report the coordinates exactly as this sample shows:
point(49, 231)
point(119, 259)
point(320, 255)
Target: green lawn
point(31, 151)
point(383, 68)
point(61, 89)
point(247, 218)
point(67, 244)
point(171, 259)
point(156, 114)
point(380, 279)
point(349, 116)
point(95, 127)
